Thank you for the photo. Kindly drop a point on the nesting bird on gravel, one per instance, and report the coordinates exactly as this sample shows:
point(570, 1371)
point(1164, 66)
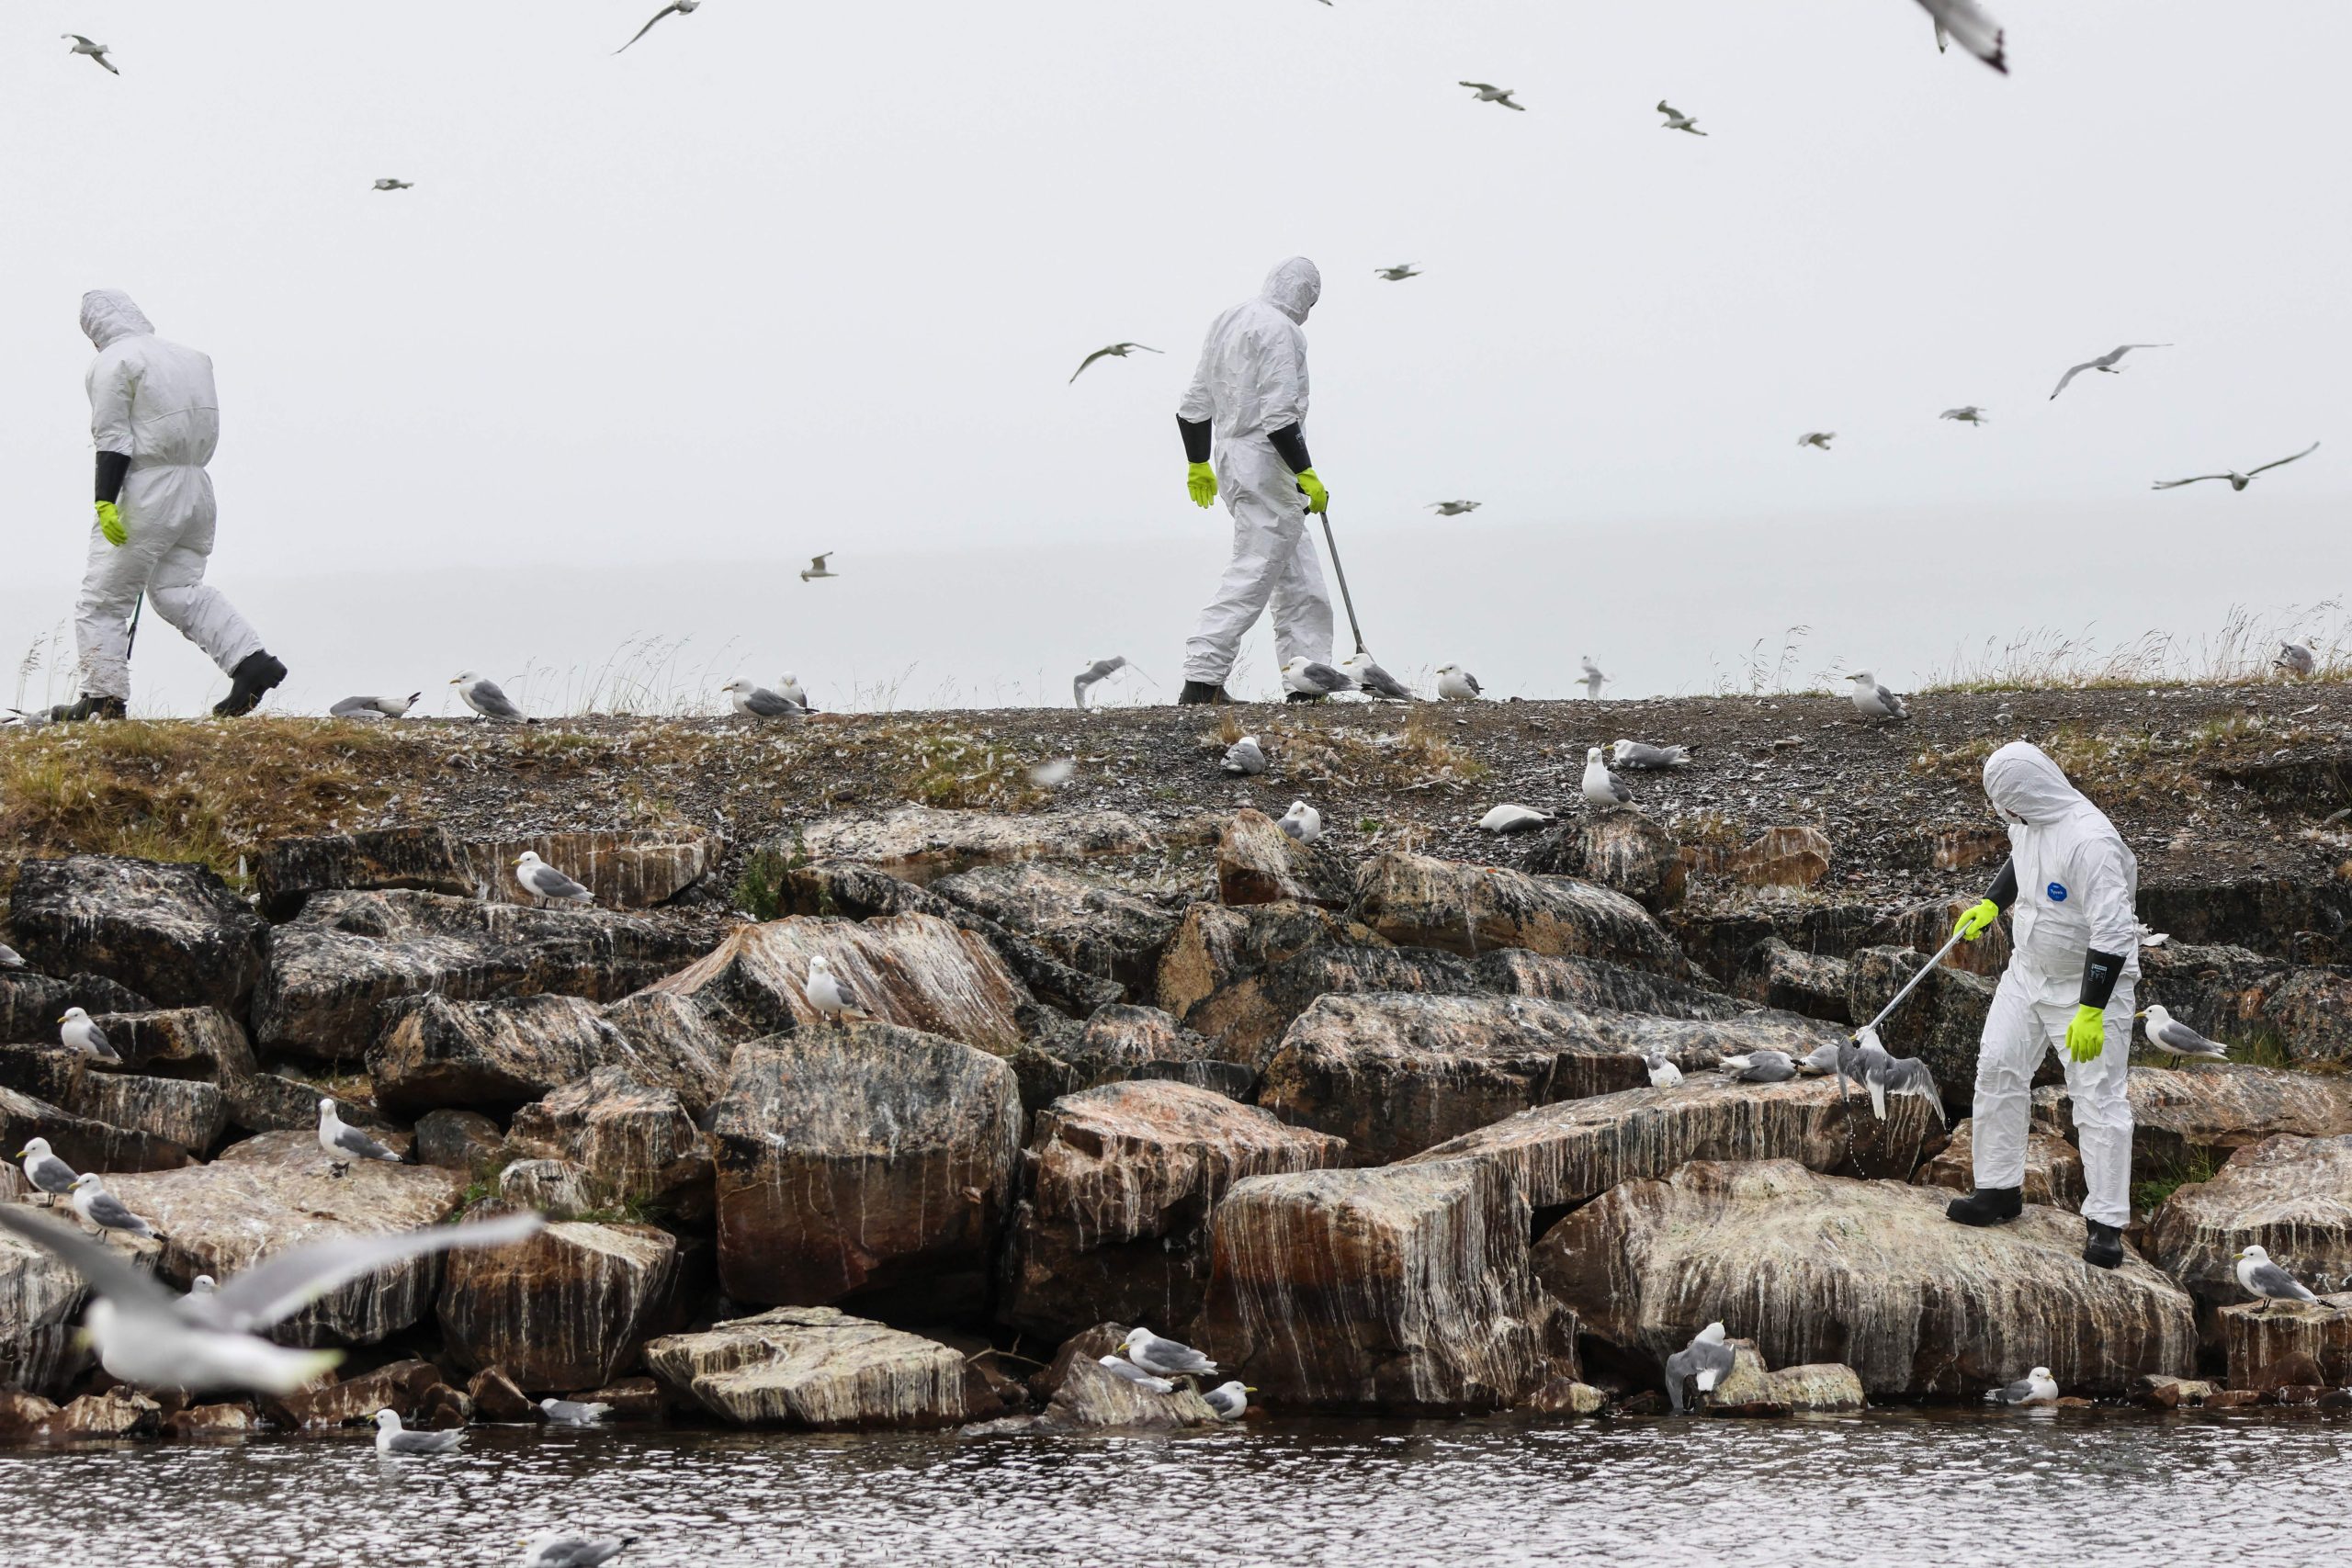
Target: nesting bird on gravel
point(1168, 1358)
point(102, 1211)
point(543, 882)
point(1706, 1360)
point(1305, 678)
point(1366, 672)
point(1602, 789)
point(559, 1550)
point(2173, 1038)
point(758, 702)
point(1663, 1073)
point(2036, 1387)
point(1759, 1066)
point(2294, 658)
point(51, 1177)
point(1874, 701)
point(374, 707)
point(343, 1144)
point(1641, 758)
point(827, 992)
point(2259, 1276)
point(1245, 758)
point(485, 698)
point(1456, 684)
point(1510, 818)
point(392, 1438)
point(1119, 1366)
point(1230, 1399)
point(1301, 822)
point(76, 1029)
point(574, 1412)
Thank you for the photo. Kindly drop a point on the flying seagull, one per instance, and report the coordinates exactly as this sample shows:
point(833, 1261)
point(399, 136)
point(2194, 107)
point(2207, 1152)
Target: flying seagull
point(1821, 438)
point(1301, 822)
point(1117, 351)
point(343, 1144)
point(2255, 1272)
point(1487, 93)
point(826, 991)
point(2295, 657)
point(544, 882)
point(102, 1211)
point(1640, 758)
point(574, 1412)
point(97, 51)
point(817, 566)
point(761, 702)
point(1245, 758)
point(1452, 508)
point(1100, 670)
point(2105, 362)
point(2237, 481)
point(1874, 701)
point(1978, 33)
point(1168, 1358)
point(1677, 121)
point(1456, 684)
point(1706, 1359)
point(1396, 274)
point(1969, 414)
point(682, 7)
point(1309, 678)
point(395, 184)
point(392, 1438)
point(51, 1177)
point(1124, 1368)
point(374, 707)
point(2036, 1387)
point(2173, 1038)
point(1230, 1399)
point(1366, 672)
point(558, 1549)
point(76, 1029)
point(484, 697)
point(1600, 786)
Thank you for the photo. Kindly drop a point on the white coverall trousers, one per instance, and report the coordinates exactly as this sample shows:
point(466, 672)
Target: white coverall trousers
point(2018, 1031)
point(168, 511)
point(1273, 560)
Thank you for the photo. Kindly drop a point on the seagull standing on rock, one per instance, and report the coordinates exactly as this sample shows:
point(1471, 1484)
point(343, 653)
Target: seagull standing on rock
point(826, 991)
point(1456, 684)
point(2037, 1387)
point(1301, 822)
point(758, 702)
point(1600, 786)
point(1874, 701)
point(2255, 1271)
point(343, 1144)
point(102, 1211)
point(544, 883)
point(51, 1177)
point(76, 1029)
point(485, 698)
point(2173, 1038)
point(1168, 1358)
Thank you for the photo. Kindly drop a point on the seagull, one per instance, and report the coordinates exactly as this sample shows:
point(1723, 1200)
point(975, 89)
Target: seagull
point(2255, 1272)
point(203, 1285)
point(817, 568)
point(1510, 818)
point(1245, 758)
point(1968, 414)
point(1677, 121)
point(789, 687)
point(1978, 33)
point(484, 697)
point(1824, 1060)
point(2173, 1038)
point(556, 1550)
point(1366, 672)
point(1634, 754)
point(1492, 94)
point(374, 707)
point(1301, 822)
point(11, 959)
point(1663, 1073)
point(2295, 657)
point(1821, 438)
point(543, 882)
point(102, 1210)
point(1706, 1358)
point(147, 1338)
point(1759, 1066)
point(2036, 1387)
point(343, 1144)
point(1456, 684)
point(1135, 1374)
point(1100, 670)
point(1396, 274)
point(395, 184)
point(2105, 362)
point(2238, 482)
point(826, 991)
point(1887, 1076)
point(76, 1029)
point(51, 1176)
point(97, 51)
point(1117, 351)
point(1310, 679)
point(1600, 786)
point(1229, 1400)
point(1593, 679)
point(1454, 508)
point(574, 1412)
point(1874, 701)
point(390, 1438)
point(683, 7)
point(1167, 1356)
point(761, 702)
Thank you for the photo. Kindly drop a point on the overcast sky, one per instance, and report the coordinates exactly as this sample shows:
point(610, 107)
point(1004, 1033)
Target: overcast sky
point(787, 277)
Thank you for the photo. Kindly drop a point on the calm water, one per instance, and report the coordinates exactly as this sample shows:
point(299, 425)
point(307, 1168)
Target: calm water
point(2044, 1488)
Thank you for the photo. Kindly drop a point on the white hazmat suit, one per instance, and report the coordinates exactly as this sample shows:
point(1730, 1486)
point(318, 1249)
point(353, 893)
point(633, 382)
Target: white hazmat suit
point(1252, 381)
point(2077, 889)
point(152, 401)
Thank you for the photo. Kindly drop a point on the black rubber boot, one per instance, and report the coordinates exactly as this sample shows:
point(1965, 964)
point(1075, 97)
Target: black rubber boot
point(90, 708)
point(248, 684)
point(2103, 1246)
point(1199, 692)
point(1303, 697)
point(1986, 1206)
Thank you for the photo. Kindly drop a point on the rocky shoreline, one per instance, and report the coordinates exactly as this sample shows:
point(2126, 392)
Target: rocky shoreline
point(1367, 1120)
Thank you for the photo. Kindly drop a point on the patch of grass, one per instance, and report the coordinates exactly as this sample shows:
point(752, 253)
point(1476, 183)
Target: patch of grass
point(2194, 1164)
point(2240, 652)
point(759, 891)
point(2126, 767)
point(950, 769)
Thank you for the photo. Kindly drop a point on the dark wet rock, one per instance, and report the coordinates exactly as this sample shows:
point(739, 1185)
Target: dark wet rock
point(1563, 1154)
point(173, 1110)
point(560, 1189)
point(1118, 1044)
point(1217, 945)
point(1719, 941)
point(419, 858)
point(1596, 984)
point(1403, 1291)
point(626, 869)
point(1081, 1396)
point(331, 968)
point(2218, 991)
point(1121, 1183)
point(22, 1415)
point(2260, 911)
point(49, 1072)
point(277, 1102)
point(1418, 901)
point(1942, 1022)
point(444, 1409)
point(1926, 925)
point(1395, 1075)
point(1625, 851)
point(1778, 975)
point(672, 1046)
point(569, 1307)
point(1245, 1022)
point(2310, 1010)
point(639, 1145)
point(83, 1141)
point(814, 1367)
point(1567, 1396)
point(173, 932)
point(860, 1161)
point(498, 1397)
point(1781, 857)
point(456, 1140)
point(1818, 1268)
point(2193, 1113)
point(632, 1399)
point(2292, 1197)
point(181, 1043)
point(1090, 924)
point(919, 842)
point(2160, 1393)
point(401, 1385)
point(2286, 1345)
point(2053, 1171)
point(491, 1055)
point(31, 1004)
point(1257, 862)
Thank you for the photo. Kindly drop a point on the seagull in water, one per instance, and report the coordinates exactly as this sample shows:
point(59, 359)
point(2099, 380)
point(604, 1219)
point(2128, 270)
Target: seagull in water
point(677, 7)
point(76, 1029)
point(1100, 670)
point(559, 1550)
point(1677, 121)
point(1663, 1073)
point(1510, 818)
point(102, 1211)
point(758, 702)
point(2255, 1271)
point(1168, 1358)
point(1120, 1366)
point(374, 707)
point(1600, 786)
point(1970, 23)
point(1593, 679)
point(1309, 678)
point(1396, 274)
point(343, 1144)
point(817, 568)
point(1456, 684)
point(146, 1336)
point(1366, 672)
point(1230, 1399)
point(392, 1438)
point(96, 52)
point(826, 991)
point(1488, 93)
point(51, 1177)
point(395, 184)
point(1706, 1358)
point(1968, 414)
point(2238, 482)
point(1454, 508)
point(2173, 1038)
point(1640, 758)
point(1115, 351)
point(1759, 1066)
point(484, 697)
point(2037, 1387)
point(1301, 822)
point(1874, 701)
point(1245, 758)
point(2105, 362)
point(1821, 438)
point(574, 1412)
point(543, 882)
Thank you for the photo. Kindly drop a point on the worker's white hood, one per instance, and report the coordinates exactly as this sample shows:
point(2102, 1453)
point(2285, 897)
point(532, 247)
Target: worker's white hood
point(2025, 785)
point(1292, 288)
point(108, 316)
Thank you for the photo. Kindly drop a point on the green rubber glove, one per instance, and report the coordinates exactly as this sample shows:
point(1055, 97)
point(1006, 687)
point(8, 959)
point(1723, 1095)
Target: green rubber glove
point(1976, 920)
point(1201, 480)
point(1317, 497)
point(2087, 1036)
point(111, 523)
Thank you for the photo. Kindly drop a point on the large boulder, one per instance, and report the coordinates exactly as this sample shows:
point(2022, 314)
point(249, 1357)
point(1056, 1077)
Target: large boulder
point(674, 1047)
point(920, 843)
point(40, 1305)
point(1819, 1267)
point(1625, 851)
point(1417, 901)
point(1091, 925)
point(626, 868)
point(1217, 944)
point(181, 1043)
point(1395, 1075)
point(569, 1308)
point(863, 1161)
point(2186, 1116)
point(1813, 984)
point(31, 1004)
point(915, 971)
point(275, 1191)
point(2261, 911)
point(2221, 992)
point(1122, 1182)
point(814, 1367)
point(175, 1110)
point(638, 1143)
point(491, 1055)
point(83, 1142)
point(1563, 1154)
point(331, 968)
point(1245, 1020)
point(1401, 1292)
point(1257, 862)
point(2311, 1011)
point(2292, 1197)
point(2053, 1171)
point(1594, 983)
point(1119, 1043)
point(173, 932)
point(2270, 1346)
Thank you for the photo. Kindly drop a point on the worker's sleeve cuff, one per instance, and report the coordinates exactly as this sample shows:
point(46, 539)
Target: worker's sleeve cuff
point(112, 466)
point(1290, 442)
point(2101, 971)
point(2003, 891)
point(1197, 438)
